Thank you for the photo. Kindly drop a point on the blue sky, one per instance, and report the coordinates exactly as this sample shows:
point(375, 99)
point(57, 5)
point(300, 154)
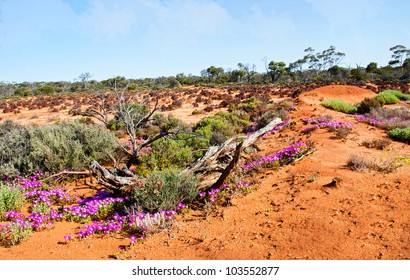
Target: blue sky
point(57, 40)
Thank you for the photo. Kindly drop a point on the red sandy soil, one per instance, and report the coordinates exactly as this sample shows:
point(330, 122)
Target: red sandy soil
point(291, 213)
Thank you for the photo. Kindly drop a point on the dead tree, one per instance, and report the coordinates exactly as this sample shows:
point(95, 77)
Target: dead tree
point(212, 168)
point(132, 115)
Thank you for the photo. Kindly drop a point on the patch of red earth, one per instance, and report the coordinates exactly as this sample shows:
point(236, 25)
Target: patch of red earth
point(293, 213)
point(349, 94)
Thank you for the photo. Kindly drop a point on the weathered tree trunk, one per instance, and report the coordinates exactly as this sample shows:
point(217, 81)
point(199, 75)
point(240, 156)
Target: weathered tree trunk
point(212, 168)
point(119, 180)
point(219, 161)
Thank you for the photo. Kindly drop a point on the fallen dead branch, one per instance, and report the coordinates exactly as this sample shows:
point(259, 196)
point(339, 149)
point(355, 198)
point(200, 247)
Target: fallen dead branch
point(88, 173)
point(212, 168)
point(219, 161)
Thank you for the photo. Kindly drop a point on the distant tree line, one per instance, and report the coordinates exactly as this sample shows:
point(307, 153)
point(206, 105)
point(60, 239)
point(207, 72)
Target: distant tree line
point(313, 67)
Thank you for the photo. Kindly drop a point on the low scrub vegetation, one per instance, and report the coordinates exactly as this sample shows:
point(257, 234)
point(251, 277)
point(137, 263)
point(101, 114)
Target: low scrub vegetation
point(11, 199)
point(163, 190)
point(369, 104)
point(397, 119)
point(386, 163)
point(339, 105)
point(388, 97)
point(396, 93)
point(52, 148)
point(400, 134)
point(379, 144)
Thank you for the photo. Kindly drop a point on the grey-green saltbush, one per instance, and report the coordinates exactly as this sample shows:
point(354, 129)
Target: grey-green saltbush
point(52, 148)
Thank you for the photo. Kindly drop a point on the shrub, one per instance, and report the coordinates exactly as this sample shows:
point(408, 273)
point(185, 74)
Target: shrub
point(165, 154)
point(388, 98)
point(163, 190)
point(379, 144)
point(342, 132)
point(368, 104)
point(388, 118)
point(15, 232)
point(11, 199)
point(14, 149)
point(387, 164)
point(115, 125)
point(270, 115)
point(220, 127)
point(48, 90)
point(396, 93)
point(196, 112)
point(70, 146)
point(358, 162)
point(52, 148)
point(339, 105)
point(400, 134)
point(250, 105)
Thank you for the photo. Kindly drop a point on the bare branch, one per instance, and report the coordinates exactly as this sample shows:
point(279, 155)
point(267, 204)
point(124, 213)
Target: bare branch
point(67, 173)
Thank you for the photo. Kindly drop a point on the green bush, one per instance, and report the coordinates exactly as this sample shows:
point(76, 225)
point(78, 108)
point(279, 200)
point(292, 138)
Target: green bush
point(22, 91)
point(14, 149)
point(52, 148)
point(115, 125)
point(388, 98)
point(48, 90)
point(165, 154)
point(396, 93)
point(250, 105)
point(368, 104)
point(70, 146)
point(11, 199)
point(163, 190)
point(220, 127)
point(400, 134)
point(339, 105)
point(15, 233)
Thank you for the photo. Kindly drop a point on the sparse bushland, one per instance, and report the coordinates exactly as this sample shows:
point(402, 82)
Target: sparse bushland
point(339, 105)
